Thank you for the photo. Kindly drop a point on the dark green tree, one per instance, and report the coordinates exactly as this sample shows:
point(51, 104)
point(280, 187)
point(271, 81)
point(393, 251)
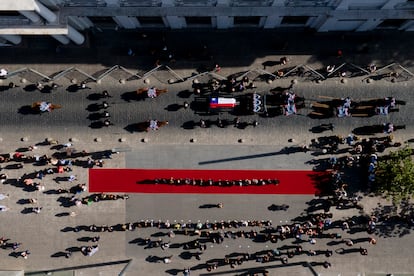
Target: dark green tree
point(394, 175)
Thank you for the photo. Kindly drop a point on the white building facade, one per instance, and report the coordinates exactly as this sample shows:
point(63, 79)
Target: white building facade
point(66, 20)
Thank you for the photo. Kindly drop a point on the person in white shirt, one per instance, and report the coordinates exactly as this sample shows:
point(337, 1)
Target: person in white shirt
point(167, 260)
point(4, 208)
point(3, 73)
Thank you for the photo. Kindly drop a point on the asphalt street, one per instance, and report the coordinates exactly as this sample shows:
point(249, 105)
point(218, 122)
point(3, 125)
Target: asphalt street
point(73, 119)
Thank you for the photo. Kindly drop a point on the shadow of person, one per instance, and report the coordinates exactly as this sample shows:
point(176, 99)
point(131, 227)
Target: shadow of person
point(343, 251)
point(368, 130)
point(29, 188)
point(46, 89)
point(14, 254)
point(278, 92)
point(65, 201)
point(275, 207)
point(23, 149)
point(59, 254)
point(94, 96)
point(208, 206)
point(159, 234)
point(176, 245)
point(59, 179)
point(74, 249)
point(242, 125)
point(4, 88)
point(270, 63)
point(23, 201)
point(96, 125)
point(153, 259)
point(173, 271)
point(84, 239)
point(138, 127)
point(186, 255)
point(94, 107)
point(173, 107)
point(138, 241)
point(73, 88)
point(321, 128)
point(64, 214)
point(184, 94)
point(68, 229)
point(15, 166)
point(334, 242)
point(27, 210)
point(189, 125)
point(133, 96)
point(410, 140)
point(94, 116)
point(30, 87)
point(51, 192)
point(27, 109)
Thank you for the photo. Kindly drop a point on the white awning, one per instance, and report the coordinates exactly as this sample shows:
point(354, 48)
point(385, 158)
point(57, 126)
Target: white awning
point(12, 273)
point(20, 5)
point(33, 30)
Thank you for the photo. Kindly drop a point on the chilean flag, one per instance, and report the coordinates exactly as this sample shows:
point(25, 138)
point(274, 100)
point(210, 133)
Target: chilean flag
point(216, 102)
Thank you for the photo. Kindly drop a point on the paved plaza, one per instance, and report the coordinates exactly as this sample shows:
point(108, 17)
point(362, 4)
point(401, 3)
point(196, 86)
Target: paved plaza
point(264, 147)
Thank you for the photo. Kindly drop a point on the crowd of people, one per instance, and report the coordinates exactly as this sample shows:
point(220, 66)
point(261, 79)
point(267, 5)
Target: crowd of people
point(319, 226)
point(310, 229)
point(362, 154)
point(60, 161)
point(230, 85)
point(346, 107)
point(316, 226)
point(13, 246)
point(352, 144)
point(189, 227)
point(217, 183)
point(223, 123)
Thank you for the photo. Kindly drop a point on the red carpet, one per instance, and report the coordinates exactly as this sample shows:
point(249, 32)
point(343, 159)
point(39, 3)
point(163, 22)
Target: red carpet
point(132, 181)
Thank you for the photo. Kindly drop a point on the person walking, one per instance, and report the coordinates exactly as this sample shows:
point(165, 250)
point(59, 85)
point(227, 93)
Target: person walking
point(4, 196)
point(37, 210)
point(217, 68)
point(167, 259)
point(3, 73)
point(25, 254)
point(96, 239)
point(4, 208)
point(16, 245)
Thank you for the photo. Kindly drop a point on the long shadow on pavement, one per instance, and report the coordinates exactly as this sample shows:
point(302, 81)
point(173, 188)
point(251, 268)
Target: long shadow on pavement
point(286, 150)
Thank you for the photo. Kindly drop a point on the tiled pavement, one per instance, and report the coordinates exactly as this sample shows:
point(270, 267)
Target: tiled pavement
point(42, 233)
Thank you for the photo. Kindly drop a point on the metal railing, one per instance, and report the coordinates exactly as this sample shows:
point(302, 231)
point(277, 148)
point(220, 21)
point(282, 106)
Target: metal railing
point(393, 72)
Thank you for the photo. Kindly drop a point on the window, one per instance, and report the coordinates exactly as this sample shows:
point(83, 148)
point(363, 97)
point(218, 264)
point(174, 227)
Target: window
point(364, 7)
point(195, 3)
point(151, 21)
point(84, 3)
point(295, 20)
point(246, 21)
point(103, 21)
point(392, 23)
point(9, 13)
point(198, 20)
point(250, 3)
point(140, 3)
